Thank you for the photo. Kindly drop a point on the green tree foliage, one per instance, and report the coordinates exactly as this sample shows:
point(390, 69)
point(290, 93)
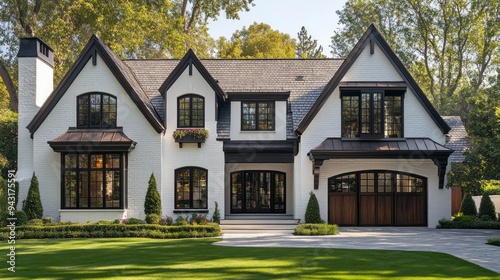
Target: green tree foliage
point(448, 46)
point(3, 201)
point(132, 28)
point(468, 206)
point(312, 211)
point(33, 204)
point(152, 203)
point(259, 40)
point(8, 141)
point(487, 208)
point(306, 46)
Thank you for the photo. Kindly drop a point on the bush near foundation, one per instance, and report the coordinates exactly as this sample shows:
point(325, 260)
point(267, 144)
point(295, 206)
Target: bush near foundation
point(113, 230)
point(316, 229)
point(312, 215)
point(468, 207)
point(468, 222)
point(487, 208)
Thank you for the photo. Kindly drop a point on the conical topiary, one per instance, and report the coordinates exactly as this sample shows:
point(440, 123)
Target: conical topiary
point(152, 203)
point(312, 211)
point(33, 205)
point(468, 206)
point(487, 208)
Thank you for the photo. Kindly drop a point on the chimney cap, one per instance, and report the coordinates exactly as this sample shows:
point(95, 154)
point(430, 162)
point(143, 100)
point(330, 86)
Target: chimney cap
point(35, 47)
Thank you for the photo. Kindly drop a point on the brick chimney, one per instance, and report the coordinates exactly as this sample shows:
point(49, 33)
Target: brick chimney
point(35, 70)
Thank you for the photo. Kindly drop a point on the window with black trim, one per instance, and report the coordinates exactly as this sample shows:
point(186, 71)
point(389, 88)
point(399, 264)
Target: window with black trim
point(257, 115)
point(96, 110)
point(377, 181)
point(372, 114)
point(93, 180)
point(191, 111)
point(191, 190)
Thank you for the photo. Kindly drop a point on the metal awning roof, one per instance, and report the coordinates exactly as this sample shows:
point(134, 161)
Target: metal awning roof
point(92, 140)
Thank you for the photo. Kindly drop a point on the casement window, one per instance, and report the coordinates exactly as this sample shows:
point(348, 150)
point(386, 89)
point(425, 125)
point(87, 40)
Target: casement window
point(93, 180)
point(257, 115)
point(96, 110)
point(372, 114)
point(191, 189)
point(191, 111)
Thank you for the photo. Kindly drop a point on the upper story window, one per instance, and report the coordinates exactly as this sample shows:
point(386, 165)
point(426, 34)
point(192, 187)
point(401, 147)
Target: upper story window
point(257, 115)
point(96, 110)
point(191, 111)
point(372, 114)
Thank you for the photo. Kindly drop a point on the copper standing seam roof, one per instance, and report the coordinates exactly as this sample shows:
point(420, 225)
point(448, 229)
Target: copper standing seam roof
point(90, 140)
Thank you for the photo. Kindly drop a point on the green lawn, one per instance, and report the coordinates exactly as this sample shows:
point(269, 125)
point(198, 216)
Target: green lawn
point(140, 258)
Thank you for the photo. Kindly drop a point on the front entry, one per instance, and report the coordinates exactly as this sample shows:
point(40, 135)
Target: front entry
point(377, 198)
point(258, 192)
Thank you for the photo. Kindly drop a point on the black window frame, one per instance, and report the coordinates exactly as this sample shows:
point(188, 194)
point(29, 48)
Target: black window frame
point(88, 123)
point(191, 186)
point(86, 170)
point(256, 115)
point(375, 131)
point(190, 111)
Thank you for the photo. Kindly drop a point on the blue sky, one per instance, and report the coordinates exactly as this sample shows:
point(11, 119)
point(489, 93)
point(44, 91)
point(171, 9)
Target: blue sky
point(287, 16)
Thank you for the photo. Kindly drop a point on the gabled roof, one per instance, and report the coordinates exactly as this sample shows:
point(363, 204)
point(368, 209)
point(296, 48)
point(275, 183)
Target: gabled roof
point(119, 69)
point(372, 35)
point(189, 60)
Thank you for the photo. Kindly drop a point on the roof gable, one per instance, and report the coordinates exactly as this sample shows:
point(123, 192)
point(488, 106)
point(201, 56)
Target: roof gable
point(371, 37)
point(190, 60)
point(119, 69)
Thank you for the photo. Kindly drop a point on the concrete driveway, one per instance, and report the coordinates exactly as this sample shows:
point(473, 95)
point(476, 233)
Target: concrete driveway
point(466, 244)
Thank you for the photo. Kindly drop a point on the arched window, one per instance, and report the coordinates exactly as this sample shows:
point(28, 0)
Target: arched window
point(96, 110)
point(191, 111)
point(191, 188)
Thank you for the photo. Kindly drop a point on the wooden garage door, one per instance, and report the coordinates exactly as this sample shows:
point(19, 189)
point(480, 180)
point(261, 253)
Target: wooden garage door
point(377, 198)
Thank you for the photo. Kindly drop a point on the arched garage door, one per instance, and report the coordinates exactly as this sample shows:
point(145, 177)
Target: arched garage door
point(377, 198)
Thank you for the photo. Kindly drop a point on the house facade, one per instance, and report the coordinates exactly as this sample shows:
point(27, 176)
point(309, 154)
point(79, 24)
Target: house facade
point(358, 132)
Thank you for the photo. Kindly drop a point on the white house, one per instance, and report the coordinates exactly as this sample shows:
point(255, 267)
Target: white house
point(358, 132)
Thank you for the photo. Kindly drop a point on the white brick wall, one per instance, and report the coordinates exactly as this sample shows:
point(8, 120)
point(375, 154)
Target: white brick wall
point(327, 123)
point(210, 156)
point(142, 161)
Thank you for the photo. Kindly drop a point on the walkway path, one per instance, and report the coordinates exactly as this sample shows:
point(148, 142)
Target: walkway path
point(465, 244)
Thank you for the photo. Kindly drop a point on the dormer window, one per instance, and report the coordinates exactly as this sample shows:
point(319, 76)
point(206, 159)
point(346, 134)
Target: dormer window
point(191, 111)
point(257, 115)
point(96, 110)
point(372, 114)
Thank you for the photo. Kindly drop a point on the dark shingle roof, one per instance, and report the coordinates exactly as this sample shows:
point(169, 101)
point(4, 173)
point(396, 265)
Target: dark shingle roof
point(305, 79)
point(457, 138)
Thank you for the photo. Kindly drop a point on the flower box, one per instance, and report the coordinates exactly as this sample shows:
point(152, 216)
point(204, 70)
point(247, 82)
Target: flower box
point(197, 135)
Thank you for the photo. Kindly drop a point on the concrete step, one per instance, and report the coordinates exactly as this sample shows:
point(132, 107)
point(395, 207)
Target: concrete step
point(259, 217)
point(258, 225)
point(268, 227)
point(259, 222)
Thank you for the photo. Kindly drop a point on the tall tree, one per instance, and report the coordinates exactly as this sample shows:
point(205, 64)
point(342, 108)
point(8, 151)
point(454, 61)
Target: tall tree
point(448, 45)
point(307, 47)
point(258, 41)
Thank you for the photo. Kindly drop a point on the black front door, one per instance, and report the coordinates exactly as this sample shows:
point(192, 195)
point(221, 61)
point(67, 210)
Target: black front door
point(257, 192)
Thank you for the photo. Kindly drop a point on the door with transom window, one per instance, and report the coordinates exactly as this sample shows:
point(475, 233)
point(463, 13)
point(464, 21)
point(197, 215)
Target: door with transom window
point(258, 192)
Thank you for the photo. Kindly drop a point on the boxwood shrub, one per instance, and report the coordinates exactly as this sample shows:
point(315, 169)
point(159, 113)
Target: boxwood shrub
point(316, 229)
point(494, 241)
point(468, 222)
point(113, 230)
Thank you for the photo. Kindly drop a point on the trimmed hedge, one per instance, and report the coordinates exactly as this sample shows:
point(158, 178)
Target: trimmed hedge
point(312, 215)
point(468, 222)
point(494, 241)
point(114, 230)
point(468, 206)
point(316, 229)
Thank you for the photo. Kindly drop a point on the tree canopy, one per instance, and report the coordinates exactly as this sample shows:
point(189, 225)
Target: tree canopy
point(259, 40)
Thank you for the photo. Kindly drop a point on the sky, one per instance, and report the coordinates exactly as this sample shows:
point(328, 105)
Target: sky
point(286, 16)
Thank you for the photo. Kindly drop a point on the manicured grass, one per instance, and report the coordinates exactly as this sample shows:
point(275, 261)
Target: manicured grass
point(142, 258)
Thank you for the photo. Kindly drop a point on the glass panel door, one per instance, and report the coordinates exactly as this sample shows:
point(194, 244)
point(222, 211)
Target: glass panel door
point(251, 191)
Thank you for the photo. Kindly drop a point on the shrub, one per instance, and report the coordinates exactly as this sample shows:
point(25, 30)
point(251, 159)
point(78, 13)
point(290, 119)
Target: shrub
point(35, 222)
point(312, 211)
point(316, 229)
point(181, 221)
point(494, 241)
point(487, 208)
point(105, 222)
point(152, 203)
point(154, 219)
point(22, 218)
point(216, 215)
point(132, 221)
point(468, 206)
point(33, 206)
point(47, 220)
point(468, 222)
point(198, 219)
point(113, 230)
point(167, 221)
